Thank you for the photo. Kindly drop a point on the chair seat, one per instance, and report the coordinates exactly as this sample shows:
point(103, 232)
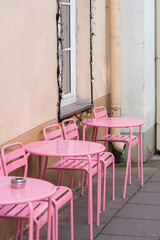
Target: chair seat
point(119, 138)
point(73, 164)
point(62, 195)
point(81, 163)
point(22, 210)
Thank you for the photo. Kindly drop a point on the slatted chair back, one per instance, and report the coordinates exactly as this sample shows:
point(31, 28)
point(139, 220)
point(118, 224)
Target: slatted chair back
point(1, 169)
point(100, 112)
point(14, 157)
point(52, 132)
point(70, 129)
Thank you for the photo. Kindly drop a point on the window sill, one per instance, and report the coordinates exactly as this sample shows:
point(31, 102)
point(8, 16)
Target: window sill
point(74, 108)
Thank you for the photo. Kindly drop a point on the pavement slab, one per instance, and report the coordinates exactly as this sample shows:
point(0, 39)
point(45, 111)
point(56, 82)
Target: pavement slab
point(117, 237)
point(140, 211)
point(133, 227)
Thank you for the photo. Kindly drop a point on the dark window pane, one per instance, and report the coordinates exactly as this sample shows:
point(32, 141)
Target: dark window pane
point(66, 72)
point(66, 26)
point(65, 1)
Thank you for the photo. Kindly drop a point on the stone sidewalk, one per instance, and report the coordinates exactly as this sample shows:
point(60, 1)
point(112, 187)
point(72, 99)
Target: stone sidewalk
point(137, 217)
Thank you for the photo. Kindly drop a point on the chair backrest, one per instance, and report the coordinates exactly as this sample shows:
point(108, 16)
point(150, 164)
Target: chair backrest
point(70, 129)
point(52, 132)
point(100, 112)
point(14, 157)
point(1, 169)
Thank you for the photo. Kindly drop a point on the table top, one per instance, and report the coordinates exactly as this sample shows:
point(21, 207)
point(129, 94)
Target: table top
point(34, 190)
point(113, 122)
point(64, 148)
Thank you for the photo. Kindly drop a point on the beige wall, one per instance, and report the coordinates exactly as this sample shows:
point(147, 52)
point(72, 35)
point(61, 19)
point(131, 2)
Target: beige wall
point(28, 47)
point(28, 94)
point(100, 50)
point(83, 50)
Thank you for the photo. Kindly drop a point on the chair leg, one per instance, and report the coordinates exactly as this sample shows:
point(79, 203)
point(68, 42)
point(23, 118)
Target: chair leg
point(72, 179)
point(113, 180)
point(21, 230)
point(56, 223)
point(17, 229)
point(88, 203)
point(71, 219)
point(61, 178)
point(37, 231)
point(53, 227)
point(87, 180)
point(82, 183)
point(104, 186)
point(138, 159)
point(130, 169)
point(58, 178)
point(105, 144)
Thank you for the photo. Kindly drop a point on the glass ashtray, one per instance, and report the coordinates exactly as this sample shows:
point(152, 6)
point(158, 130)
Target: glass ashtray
point(18, 182)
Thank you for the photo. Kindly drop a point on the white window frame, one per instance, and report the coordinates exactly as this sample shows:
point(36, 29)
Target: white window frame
point(71, 97)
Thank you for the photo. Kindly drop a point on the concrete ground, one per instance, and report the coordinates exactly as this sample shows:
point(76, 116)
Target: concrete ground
point(137, 217)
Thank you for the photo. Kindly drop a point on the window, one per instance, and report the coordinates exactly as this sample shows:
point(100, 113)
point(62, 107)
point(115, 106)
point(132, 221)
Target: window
point(68, 104)
point(68, 51)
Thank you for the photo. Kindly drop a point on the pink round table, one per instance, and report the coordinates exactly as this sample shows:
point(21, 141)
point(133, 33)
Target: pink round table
point(71, 148)
point(119, 122)
point(34, 190)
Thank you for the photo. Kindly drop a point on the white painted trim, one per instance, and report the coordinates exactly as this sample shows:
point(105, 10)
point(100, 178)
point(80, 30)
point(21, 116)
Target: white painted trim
point(66, 49)
point(65, 3)
point(71, 97)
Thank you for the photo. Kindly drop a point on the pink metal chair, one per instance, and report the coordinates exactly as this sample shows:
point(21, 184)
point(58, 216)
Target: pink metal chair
point(54, 132)
point(1, 169)
point(13, 158)
point(100, 112)
point(71, 132)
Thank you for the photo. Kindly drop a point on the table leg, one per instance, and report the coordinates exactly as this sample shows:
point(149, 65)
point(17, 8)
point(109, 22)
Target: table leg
point(98, 189)
point(90, 205)
point(45, 168)
point(96, 133)
point(128, 164)
point(84, 132)
point(40, 167)
point(93, 134)
point(49, 218)
point(141, 149)
point(30, 234)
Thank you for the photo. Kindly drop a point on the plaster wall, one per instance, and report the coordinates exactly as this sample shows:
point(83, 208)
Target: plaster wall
point(138, 60)
point(137, 27)
point(28, 62)
point(28, 85)
point(101, 86)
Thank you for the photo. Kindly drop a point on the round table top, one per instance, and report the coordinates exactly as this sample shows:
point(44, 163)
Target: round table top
point(64, 148)
point(34, 190)
point(113, 122)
